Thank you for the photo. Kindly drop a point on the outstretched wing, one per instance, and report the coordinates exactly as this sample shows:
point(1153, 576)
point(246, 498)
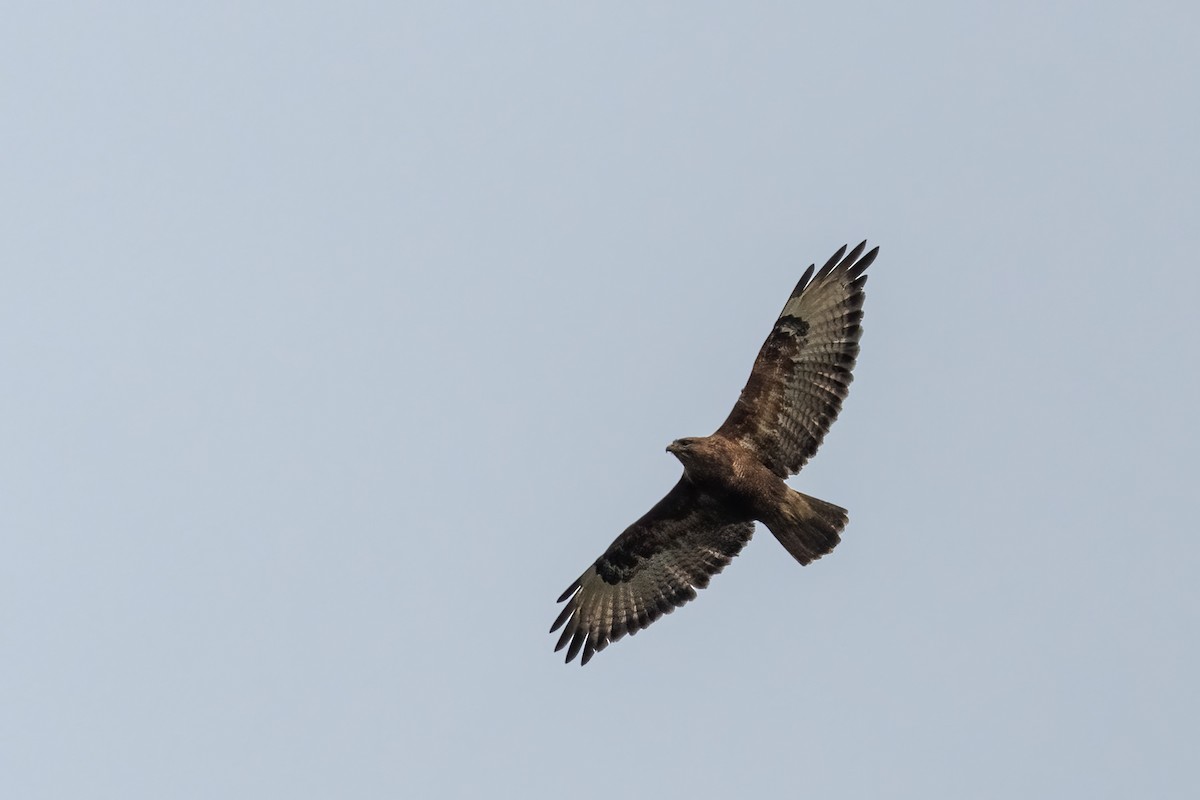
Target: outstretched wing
point(652, 568)
point(803, 371)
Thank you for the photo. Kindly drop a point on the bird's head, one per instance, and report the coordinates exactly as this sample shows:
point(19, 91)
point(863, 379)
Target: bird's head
point(683, 449)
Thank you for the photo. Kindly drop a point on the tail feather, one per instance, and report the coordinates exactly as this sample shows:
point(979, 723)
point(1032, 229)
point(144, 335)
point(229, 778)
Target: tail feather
point(808, 528)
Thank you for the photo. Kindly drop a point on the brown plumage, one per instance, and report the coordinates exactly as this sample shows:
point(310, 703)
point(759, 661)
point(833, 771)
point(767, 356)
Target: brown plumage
point(736, 476)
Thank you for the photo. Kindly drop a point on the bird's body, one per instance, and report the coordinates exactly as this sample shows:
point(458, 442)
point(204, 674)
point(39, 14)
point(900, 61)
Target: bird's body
point(736, 476)
point(728, 471)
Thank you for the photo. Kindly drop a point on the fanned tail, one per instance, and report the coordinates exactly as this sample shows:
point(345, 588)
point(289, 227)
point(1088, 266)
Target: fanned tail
point(808, 528)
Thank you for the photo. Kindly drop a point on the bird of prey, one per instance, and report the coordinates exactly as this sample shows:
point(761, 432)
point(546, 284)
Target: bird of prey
point(735, 477)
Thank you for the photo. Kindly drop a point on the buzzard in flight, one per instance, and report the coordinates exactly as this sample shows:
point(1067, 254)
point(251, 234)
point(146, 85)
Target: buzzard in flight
point(736, 476)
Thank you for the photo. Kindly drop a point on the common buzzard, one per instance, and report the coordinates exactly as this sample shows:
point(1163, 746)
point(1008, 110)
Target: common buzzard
point(735, 477)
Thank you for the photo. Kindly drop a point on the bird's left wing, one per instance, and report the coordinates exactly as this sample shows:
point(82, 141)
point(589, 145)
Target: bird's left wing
point(803, 370)
point(651, 569)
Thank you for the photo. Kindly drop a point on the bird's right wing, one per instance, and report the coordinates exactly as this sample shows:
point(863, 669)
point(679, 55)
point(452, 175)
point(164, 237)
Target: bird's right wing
point(652, 568)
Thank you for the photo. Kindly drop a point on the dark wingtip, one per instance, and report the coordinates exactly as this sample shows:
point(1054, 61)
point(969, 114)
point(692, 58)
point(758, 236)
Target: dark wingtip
point(803, 280)
point(564, 638)
point(563, 616)
point(832, 262)
point(576, 643)
point(570, 590)
point(858, 269)
point(869, 258)
point(854, 254)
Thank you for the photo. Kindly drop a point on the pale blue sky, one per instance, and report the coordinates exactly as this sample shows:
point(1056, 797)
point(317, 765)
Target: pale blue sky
point(340, 338)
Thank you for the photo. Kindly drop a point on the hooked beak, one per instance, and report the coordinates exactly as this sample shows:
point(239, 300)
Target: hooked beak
point(672, 448)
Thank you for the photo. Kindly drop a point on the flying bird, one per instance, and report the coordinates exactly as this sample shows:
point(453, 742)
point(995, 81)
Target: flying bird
point(735, 477)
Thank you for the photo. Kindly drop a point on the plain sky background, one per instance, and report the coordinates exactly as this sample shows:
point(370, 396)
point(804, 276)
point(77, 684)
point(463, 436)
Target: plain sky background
point(337, 339)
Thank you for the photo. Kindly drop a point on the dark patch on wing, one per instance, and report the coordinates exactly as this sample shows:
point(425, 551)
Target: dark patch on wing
point(651, 569)
point(793, 325)
point(803, 371)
